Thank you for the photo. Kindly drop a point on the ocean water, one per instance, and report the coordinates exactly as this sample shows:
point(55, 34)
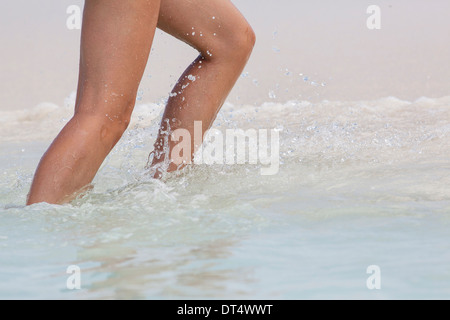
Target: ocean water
point(360, 183)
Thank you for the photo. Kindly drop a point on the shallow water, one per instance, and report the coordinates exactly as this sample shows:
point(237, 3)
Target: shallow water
point(360, 183)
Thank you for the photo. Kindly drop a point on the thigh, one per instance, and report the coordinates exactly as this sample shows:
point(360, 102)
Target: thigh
point(115, 43)
point(207, 25)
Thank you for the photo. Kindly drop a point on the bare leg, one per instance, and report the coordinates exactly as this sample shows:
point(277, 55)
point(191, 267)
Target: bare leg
point(115, 43)
point(225, 41)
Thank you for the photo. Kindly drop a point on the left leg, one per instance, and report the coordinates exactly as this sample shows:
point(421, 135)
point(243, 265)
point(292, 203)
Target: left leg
point(224, 40)
point(115, 42)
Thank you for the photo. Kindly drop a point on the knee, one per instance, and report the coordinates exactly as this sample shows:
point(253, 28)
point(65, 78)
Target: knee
point(249, 41)
point(112, 127)
point(109, 133)
point(246, 40)
point(109, 130)
point(106, 122)
point(236, 46)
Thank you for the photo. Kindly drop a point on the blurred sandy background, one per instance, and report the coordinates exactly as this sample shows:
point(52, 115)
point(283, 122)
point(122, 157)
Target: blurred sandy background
point(313, 50)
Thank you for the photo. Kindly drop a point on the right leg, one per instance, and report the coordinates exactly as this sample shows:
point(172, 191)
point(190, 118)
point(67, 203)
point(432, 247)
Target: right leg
point(115, 43)
point(225, 41)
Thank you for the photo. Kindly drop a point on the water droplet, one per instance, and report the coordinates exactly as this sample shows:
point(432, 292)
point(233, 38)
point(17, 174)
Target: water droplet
point(275, 33)
point(140, 95)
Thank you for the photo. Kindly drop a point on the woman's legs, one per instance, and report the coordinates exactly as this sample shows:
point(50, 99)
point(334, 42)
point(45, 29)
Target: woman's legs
point(115, 43)
point(225, 41)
